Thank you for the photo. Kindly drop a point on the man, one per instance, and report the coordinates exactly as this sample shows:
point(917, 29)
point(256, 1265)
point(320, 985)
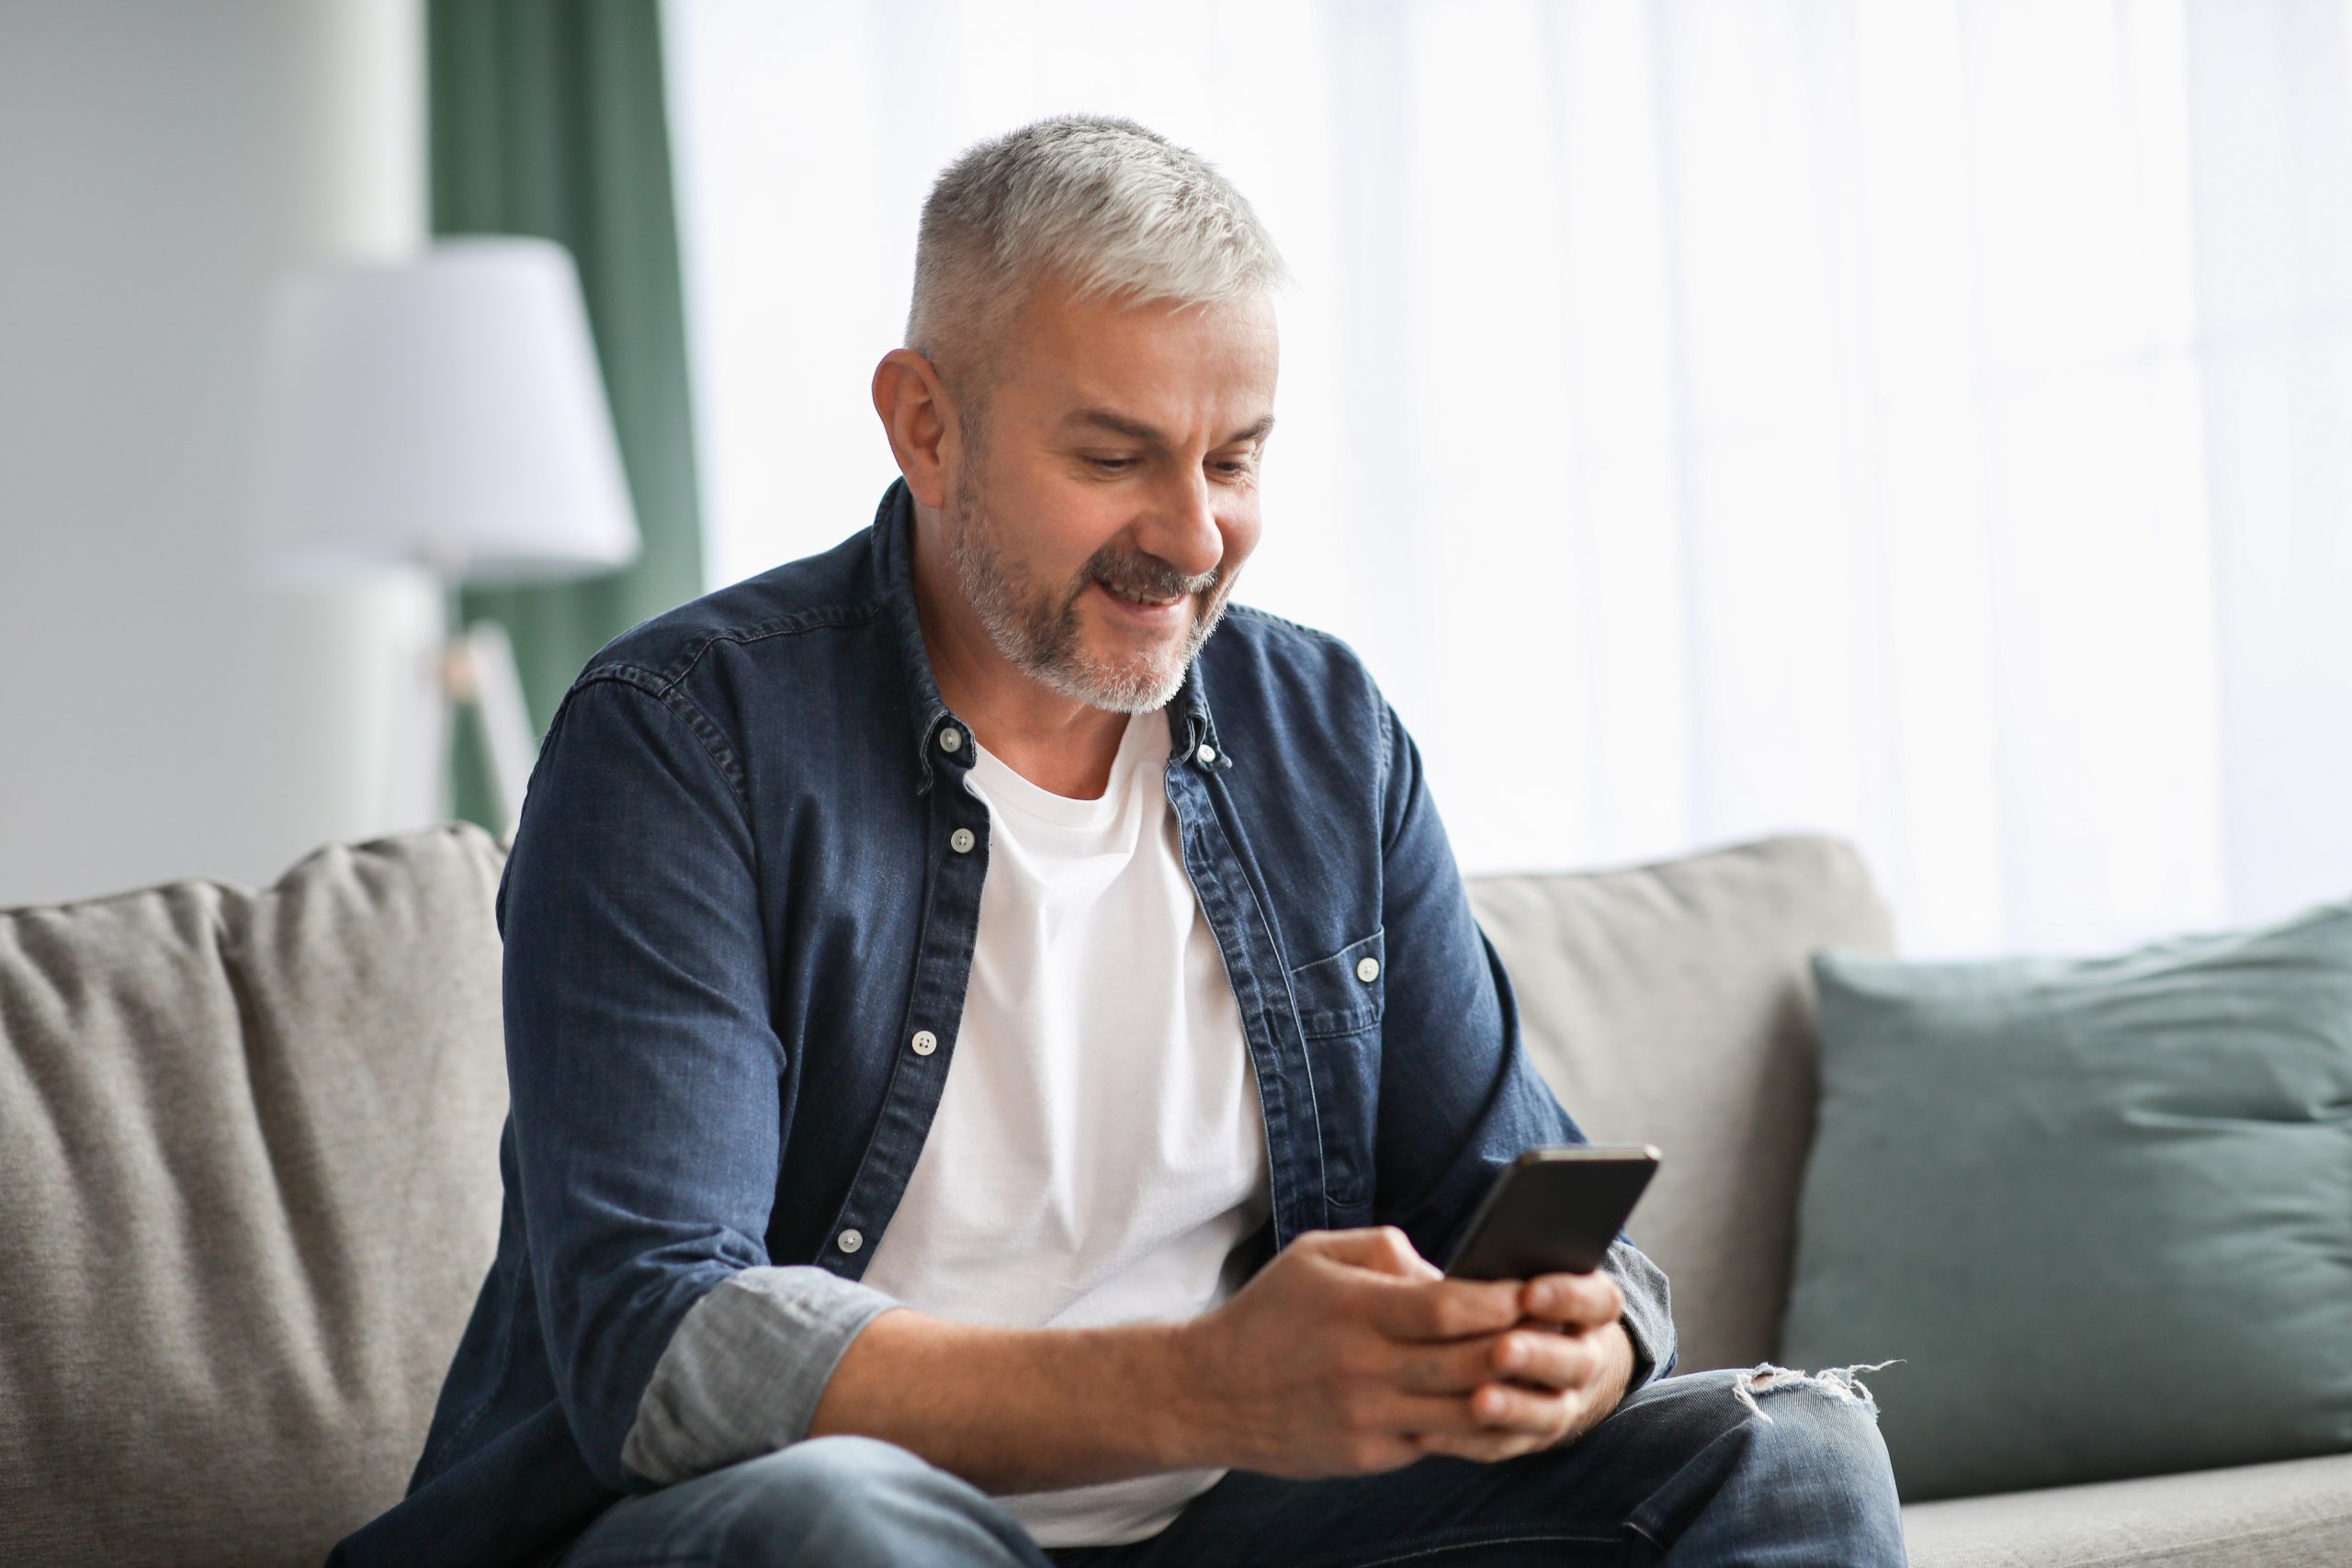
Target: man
point(997, 1032)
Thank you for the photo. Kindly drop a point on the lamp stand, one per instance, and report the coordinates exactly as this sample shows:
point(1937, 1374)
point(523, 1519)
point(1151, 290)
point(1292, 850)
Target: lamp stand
point(478, 671)
point(474, 670)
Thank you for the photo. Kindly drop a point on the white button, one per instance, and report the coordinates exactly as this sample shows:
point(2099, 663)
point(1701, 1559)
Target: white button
point(1367, 970)
point(848, 1241)
point(1206, 753)
point(961, 840)
point(925, 1042)
point(951, 739)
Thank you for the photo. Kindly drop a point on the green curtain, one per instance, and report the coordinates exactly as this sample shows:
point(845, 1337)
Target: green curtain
point(548, 117)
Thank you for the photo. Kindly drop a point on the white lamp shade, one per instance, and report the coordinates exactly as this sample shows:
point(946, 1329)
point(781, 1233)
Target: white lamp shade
point(445, 409)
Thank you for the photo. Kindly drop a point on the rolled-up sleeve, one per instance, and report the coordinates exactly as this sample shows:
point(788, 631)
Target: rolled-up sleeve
point(645, 1074)
point(1460, 1098)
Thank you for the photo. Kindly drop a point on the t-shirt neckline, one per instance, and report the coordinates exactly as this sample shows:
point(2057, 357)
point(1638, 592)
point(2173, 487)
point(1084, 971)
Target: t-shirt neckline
point(1004, 787)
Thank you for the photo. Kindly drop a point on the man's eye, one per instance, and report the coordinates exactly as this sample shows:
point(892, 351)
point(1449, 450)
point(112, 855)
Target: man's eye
point(1111, 465)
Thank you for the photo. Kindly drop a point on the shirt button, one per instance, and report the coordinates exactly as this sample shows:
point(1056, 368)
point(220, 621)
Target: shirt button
point(961, 840)
point(951, 739)
point(925, 1042)
point(1206, 753)
point(848, 1241)
point(1367, 970)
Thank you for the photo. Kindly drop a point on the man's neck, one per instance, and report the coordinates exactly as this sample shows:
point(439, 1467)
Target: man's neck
point(1055, 741)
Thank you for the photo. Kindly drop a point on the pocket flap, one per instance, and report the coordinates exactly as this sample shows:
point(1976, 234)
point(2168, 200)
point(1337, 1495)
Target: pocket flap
point(1341, 994)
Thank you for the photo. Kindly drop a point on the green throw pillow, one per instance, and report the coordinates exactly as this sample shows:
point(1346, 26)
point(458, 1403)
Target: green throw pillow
point(2100, 1208)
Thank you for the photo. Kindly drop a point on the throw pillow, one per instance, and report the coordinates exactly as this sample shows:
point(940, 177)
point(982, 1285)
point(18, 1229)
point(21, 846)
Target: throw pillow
point(2100, 1208)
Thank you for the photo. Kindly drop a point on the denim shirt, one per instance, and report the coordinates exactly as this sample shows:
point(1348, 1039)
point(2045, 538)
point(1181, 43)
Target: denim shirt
point(738, 916)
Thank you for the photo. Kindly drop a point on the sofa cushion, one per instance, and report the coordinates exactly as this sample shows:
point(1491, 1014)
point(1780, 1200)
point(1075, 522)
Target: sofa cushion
point(2102, 1208)
point(249, 1145)
point(2293, 1514)
point(1671, 1004)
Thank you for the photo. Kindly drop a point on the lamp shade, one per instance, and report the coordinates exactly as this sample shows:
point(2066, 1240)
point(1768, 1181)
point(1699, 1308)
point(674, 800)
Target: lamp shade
point(445, 409)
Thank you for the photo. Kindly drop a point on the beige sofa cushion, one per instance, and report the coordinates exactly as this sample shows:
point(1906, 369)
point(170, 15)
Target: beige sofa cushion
point(1672, 1004)
point(248, 1142)
point(2291, 1514)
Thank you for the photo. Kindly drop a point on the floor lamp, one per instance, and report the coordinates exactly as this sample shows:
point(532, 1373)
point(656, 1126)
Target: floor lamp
point(444, 413)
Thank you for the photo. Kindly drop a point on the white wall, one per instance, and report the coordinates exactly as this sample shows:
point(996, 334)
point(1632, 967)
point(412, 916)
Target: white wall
point(1926, 423)
point(161, 713)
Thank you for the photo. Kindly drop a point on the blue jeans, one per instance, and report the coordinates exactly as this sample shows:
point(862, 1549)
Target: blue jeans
point(1684, 1471)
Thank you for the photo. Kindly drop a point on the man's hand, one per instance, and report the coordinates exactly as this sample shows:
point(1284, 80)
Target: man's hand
point(1349, 1353)
point(1574, 1359)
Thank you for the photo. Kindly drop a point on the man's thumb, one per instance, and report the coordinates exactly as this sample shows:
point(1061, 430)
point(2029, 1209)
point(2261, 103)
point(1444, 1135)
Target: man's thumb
point(1385, 1248)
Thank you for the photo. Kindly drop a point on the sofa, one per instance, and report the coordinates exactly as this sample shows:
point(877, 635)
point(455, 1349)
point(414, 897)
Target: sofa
point(248, 1141)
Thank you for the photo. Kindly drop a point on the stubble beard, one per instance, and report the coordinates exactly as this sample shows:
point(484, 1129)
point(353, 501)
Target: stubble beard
point(1037, 628)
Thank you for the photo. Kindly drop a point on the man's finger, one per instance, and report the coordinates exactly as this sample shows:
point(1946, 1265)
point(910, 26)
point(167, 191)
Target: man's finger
point(1550, 1360)
point(1450, 1413)
point(1505, 1407)
point(1443, 1309)
point(1574, 1300)
point(1386, 1249)
point(1540, 1357)
point(1451, 1365)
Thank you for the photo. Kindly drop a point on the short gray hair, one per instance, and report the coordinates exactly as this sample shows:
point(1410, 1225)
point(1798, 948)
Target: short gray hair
point(1114, 209)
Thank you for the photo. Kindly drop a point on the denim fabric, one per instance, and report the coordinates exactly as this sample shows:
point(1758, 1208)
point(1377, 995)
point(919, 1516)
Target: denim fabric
point(733, 900)
point(1683, 1471)
point(841, 1502)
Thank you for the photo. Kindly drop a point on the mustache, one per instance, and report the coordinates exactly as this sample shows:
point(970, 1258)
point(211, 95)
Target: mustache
point(1148, 576)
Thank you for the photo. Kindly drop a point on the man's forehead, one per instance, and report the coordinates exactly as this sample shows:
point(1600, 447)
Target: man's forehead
point(1143, 370)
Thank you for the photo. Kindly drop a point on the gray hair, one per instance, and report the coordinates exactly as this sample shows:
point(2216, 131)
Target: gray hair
point(1113, 209)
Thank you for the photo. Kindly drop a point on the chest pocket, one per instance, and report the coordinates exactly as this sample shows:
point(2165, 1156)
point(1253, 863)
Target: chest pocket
point(1339, 1002)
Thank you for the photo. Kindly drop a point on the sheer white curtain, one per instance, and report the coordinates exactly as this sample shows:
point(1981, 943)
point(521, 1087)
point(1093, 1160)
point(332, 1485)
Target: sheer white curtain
point(1930, 421)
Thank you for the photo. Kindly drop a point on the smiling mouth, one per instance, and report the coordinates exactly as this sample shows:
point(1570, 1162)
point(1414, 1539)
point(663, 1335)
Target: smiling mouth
point(1140, 599)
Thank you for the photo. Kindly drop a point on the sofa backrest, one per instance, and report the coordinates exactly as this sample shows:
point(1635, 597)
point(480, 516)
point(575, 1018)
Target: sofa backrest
point(249, 1185)
point(1671, 1004)
point(248, 1189)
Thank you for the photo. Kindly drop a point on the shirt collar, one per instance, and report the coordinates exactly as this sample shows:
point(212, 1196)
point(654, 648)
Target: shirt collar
point(1194, 731)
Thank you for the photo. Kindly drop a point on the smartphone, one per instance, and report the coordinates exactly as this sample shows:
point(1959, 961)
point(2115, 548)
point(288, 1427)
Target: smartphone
point(1554, 1211)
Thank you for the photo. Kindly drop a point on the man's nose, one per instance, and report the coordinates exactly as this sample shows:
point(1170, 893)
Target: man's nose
point(1183, 530)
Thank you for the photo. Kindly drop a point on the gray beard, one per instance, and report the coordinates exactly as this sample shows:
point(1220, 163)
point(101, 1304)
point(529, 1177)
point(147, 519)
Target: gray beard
point(1038, 632)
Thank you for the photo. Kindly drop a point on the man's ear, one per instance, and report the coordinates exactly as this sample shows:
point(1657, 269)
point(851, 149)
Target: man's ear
point(920, 418)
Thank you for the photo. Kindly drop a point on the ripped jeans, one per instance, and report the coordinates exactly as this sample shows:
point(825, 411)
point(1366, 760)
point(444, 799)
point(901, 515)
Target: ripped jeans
point(1702, 1470)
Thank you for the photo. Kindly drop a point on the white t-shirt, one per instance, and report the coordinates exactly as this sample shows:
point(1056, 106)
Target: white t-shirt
point(1098, 1152)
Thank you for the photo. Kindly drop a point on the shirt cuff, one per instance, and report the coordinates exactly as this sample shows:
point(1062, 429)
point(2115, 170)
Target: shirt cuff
point(1648, 1313)
point(743, 1372)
